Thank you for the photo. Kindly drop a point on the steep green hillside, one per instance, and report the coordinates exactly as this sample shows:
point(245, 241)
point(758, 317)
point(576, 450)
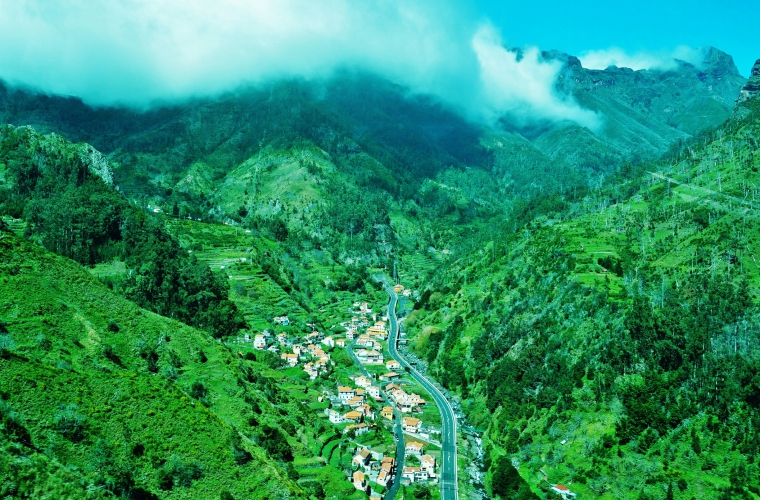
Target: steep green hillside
point(123, 399)
point(611, 341)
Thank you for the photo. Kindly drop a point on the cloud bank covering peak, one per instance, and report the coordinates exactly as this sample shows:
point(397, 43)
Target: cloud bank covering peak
point(137, 52)
point(602, 59)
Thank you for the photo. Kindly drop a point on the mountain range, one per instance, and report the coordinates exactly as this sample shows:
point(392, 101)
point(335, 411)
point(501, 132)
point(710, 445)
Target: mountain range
point(590, 296)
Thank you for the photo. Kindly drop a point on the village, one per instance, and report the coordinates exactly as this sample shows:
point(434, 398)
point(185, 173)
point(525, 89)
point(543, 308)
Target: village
point(371, 397)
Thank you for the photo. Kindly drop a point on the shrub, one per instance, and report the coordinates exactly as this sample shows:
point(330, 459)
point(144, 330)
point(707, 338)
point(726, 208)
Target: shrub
point(69, 422)
point(177, 472)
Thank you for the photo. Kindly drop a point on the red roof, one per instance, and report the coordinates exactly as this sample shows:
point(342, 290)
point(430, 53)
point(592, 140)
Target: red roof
point(562, 488)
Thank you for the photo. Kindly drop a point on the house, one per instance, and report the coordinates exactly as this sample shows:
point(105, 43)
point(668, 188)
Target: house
point(345, 393)
point(350, 334)
point(374, 358)
point(398, 288)
point(360, 481)
point(290, 359)
point(415, 448)
point(336, 418)
point(563, 491)
point(355, 401)
point(340, 342)
point(259, 342)
point(374, 392)
point(387, 412)
point(427, 463)
point(358, 429)
point(361, 458)
point(391, 387)
point(366, 410)
point(382, 478)
point(281, 320)
point(362, 381)
point(328, 341)
point(392, 365)
point(411, 424)
point(390, 376)
point(408, 473)
point(352, 416)
point(282, 338)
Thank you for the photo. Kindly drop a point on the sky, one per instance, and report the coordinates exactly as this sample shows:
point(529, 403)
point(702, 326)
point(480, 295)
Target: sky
point(139, 52)
point(644, 27)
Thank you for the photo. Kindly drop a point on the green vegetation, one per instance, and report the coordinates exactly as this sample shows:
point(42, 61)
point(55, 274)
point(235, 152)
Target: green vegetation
point(616, 332)
point(62, 191)
point(598, 320)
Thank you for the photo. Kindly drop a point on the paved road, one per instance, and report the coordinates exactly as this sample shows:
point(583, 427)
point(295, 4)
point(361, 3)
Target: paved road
point(448, 479)
point(398, 430)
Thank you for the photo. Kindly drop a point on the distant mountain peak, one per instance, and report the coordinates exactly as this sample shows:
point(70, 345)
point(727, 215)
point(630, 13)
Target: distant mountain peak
point(718, 63)
point(752, 87)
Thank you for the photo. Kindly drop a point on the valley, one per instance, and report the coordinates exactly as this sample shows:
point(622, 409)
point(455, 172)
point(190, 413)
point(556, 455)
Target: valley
point(194, 296)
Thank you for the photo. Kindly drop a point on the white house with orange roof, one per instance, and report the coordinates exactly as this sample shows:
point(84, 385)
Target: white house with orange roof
point(259, 342)
point(374, 392)
point(427, 463)
point(411, 424)
point(345, 393)
point(392, 365)
point(290, 359)
point(353, 416)
point(360, 481)
point(415, 448)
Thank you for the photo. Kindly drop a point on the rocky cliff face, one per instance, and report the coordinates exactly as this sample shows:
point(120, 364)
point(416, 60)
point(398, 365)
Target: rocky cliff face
point(643, 111)
point(752, 87)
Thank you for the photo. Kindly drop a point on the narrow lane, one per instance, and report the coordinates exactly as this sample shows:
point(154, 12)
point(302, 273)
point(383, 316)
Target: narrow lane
point(448, 476)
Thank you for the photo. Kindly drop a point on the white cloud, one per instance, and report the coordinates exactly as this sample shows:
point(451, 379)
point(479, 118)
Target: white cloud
point(523, 87)
point(138, 51)
point(602, 59)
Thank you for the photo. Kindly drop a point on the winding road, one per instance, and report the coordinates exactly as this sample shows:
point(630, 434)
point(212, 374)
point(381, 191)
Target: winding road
point(448, 476)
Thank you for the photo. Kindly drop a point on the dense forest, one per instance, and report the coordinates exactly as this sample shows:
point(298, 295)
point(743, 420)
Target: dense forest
point(64, 192)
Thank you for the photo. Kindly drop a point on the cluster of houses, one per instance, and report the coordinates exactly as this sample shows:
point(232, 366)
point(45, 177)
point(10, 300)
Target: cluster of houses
point(372, 466)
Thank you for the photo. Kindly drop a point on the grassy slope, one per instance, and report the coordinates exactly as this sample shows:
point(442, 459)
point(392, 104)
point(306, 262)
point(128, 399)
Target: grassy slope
point(57, 316)
point(691, 224)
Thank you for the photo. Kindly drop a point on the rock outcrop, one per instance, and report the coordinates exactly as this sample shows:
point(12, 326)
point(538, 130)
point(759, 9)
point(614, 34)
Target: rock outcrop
point(752, 87)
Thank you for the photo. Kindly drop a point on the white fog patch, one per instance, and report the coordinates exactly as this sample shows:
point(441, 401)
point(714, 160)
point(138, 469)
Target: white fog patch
point(602, 59)
point(138, 52)
point(523, 87)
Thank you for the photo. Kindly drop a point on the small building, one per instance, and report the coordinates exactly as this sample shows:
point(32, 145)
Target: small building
point(259, 342)
point(358, 429)
point(362, 457)
point(563, 491)
point(411, 424)
point(290, 359)
point(390, 376)
point(398, 288)
point(340, 342)
point(335, 417)
point(387, 412)
point(352, 416)
point(328, 341)
point(360, 481)
point(281, 320)
point(345, 393)
point(374, 392)
point(427, 463)
point(392, 365)
point(415, 448)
